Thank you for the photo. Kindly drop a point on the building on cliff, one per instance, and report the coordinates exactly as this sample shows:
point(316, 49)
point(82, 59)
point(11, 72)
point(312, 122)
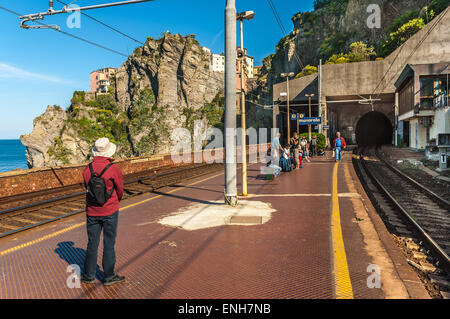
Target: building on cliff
point(409, 105)
point(101, 80)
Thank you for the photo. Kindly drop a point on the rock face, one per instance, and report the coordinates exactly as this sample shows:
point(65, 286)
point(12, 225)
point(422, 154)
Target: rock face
point(46, 128)
point(327, 30)
point(165, 84)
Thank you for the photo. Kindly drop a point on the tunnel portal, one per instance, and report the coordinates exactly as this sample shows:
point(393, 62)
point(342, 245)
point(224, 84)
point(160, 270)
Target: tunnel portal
point(374, 128)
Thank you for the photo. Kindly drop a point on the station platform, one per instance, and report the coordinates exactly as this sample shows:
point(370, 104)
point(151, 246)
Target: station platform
point(317, 236)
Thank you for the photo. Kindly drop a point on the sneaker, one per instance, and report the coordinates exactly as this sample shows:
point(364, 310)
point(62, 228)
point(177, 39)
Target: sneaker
point(116, 279)
point(86, 280)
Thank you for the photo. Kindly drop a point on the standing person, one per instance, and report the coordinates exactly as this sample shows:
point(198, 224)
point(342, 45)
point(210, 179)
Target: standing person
point(314, 145)
point(276, 149)
point(339, 145)
point(104, 183)
point(295, 143)
point(304, 146)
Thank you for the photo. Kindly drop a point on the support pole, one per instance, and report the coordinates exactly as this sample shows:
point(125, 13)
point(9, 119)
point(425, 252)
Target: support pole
point(288, 111)
point(320, 95)
point(243, 124)
point(230, 103)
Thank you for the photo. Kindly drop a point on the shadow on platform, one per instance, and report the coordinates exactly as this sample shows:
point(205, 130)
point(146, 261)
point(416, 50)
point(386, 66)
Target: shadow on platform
point(75, 256)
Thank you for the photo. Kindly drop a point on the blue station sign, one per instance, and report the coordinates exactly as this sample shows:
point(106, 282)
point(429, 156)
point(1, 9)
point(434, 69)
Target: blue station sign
point(310, 121)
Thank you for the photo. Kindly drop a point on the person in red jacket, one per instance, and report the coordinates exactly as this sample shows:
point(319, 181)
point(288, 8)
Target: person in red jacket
point(339, 145)
point(105, 216)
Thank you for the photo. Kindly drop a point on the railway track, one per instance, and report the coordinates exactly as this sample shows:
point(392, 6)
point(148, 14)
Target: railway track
point(418, 218)
point(31, 210)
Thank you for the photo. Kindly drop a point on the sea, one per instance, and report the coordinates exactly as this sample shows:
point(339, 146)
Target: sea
point(12, 155)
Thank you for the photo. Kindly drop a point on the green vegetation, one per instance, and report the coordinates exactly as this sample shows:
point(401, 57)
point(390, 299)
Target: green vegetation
point(333, 45)
point(321, 140)
point(358, 52)
point(104, 120)
point(403, 33)
point(307, 70)
point(146, 116)
point(59, 152)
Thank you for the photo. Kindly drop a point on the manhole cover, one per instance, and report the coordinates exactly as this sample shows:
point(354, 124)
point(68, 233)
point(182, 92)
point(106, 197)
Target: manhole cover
point(246, 220)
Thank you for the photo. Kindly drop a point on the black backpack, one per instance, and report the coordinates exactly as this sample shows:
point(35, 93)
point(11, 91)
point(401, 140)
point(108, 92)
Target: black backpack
point(97, 194)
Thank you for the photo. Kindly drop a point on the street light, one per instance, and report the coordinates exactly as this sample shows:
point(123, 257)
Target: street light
point(287, 76)
point(309, 125)
point(247, 15)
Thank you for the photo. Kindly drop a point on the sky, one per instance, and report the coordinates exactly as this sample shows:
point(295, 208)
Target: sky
point(43, 67)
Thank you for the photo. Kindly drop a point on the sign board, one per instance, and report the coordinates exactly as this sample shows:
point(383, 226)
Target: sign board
point(444, 158)
point(310, 121)
point(325, 127)
point(283, 94)
point(316, 127)
point(293, 117)
point(301, 115)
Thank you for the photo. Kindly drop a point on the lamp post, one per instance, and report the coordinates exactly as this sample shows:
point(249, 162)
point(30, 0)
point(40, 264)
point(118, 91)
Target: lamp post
point(287, 75)
point(247, 15)
point(309, 125)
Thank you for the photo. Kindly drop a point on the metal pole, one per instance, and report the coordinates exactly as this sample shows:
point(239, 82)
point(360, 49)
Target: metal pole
point(67, 9)
point(309, 125)
point(243, 125)
point(320, 94)
point(288, 112)
point(230, 103)
point(298, 126)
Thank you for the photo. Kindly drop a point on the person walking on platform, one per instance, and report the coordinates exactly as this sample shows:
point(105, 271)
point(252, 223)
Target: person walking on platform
point(104, 183)
point(295, 144)
point(313, 146)
point(339, 145)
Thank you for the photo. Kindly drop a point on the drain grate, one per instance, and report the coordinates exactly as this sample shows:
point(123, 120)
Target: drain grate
point(245, 220)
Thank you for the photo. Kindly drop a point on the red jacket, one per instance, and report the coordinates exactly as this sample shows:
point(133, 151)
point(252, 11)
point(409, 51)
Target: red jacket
point(112, 205)
point(342, 141)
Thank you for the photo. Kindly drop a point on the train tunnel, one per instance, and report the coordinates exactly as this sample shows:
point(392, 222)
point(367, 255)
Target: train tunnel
point(374, 128)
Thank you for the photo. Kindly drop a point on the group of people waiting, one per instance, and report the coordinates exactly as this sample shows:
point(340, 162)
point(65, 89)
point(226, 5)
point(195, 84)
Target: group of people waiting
point(292, 154)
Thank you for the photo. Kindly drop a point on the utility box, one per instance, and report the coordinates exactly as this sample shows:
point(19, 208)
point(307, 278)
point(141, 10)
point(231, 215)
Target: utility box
point(443, 143)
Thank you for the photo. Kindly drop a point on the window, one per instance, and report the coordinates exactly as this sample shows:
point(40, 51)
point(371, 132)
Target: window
point(426, 92)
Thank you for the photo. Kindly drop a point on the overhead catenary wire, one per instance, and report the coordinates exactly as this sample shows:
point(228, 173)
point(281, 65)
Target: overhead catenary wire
point(104, 47)
point(106, 25)
point(70, 34)
point(283, 30)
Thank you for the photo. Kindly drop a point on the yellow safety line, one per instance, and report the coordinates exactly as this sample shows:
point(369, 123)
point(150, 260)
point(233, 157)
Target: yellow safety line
point(343, 285)
point(16, 248)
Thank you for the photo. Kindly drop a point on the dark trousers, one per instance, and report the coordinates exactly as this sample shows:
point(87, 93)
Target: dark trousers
point(94, 229)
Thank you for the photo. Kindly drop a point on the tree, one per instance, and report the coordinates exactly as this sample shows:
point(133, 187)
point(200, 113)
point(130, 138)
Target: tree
point(359, 51)
point(307, 70)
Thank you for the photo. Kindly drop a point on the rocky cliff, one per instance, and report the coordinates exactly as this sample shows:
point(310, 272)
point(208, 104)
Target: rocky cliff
point(329, 29)
point(163, 85)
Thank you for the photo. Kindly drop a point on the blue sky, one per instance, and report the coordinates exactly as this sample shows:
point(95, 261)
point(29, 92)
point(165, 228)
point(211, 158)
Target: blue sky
point(43, 67)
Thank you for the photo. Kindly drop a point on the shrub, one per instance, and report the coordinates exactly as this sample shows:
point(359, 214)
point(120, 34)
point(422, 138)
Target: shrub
point(307, 70)
point(401, 35)
point(338, 58)
point(359, 51)
point(321, 140)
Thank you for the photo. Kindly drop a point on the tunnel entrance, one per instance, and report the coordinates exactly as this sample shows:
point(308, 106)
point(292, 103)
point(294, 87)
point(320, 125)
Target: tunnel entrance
point(374, 128)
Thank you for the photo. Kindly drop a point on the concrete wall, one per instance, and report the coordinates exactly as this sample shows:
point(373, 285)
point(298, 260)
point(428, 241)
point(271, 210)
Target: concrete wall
point(415, 128)
point(441, 122)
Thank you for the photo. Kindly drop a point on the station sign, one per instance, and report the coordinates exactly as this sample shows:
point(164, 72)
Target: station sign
point(310, 121)
point(293, 117)
point(325, 127)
